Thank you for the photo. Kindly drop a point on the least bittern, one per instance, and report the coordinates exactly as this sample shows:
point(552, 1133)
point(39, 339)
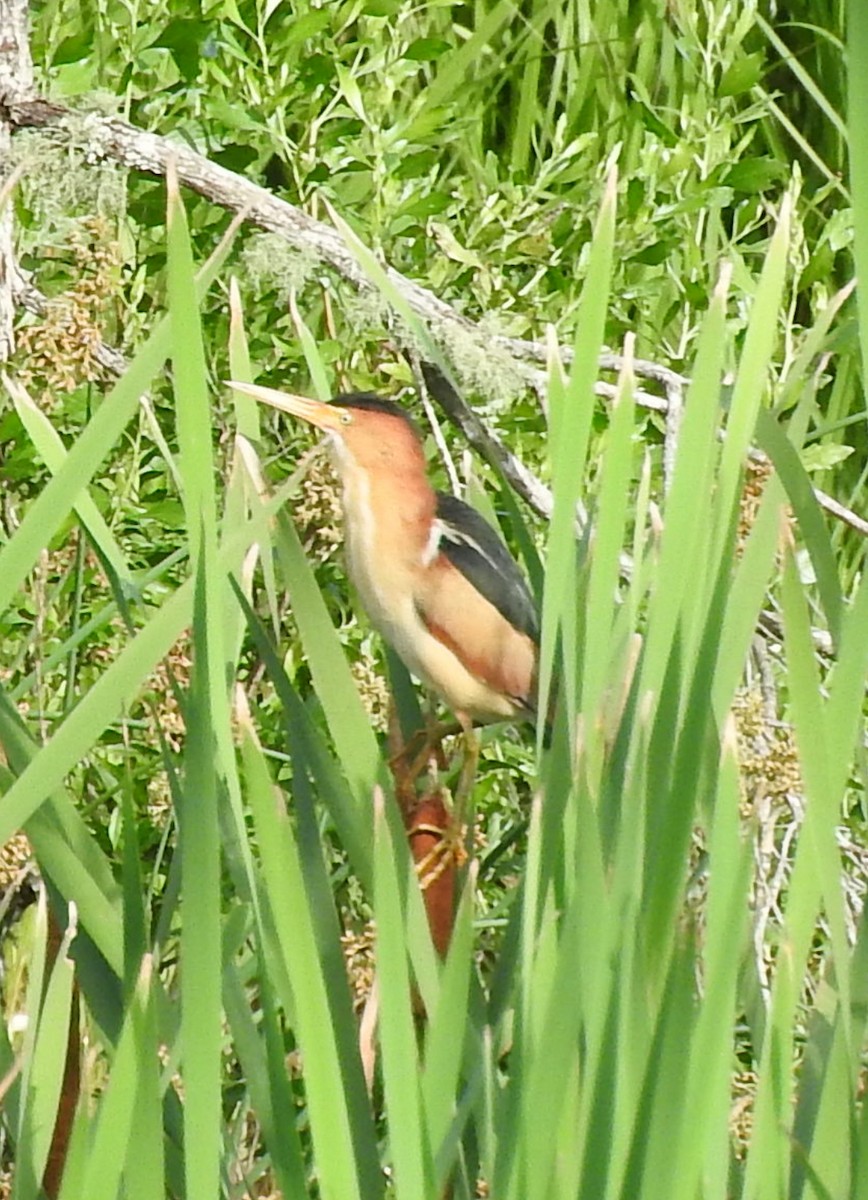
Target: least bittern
point(434, 577)
point(437, 582)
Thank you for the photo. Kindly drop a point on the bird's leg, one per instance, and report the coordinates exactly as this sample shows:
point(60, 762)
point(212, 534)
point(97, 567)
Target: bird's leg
point(421, 748)
point(469, 765)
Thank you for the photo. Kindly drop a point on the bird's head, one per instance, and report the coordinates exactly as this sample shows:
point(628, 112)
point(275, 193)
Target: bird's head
point(366, 432)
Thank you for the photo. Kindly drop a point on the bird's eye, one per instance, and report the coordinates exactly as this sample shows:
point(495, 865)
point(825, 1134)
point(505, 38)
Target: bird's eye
point(346, 418)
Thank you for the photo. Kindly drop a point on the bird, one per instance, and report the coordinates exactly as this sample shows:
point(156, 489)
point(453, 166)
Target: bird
point(435, 578)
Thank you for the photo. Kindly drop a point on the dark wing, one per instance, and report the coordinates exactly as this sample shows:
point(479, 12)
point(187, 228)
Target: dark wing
point(473, 548)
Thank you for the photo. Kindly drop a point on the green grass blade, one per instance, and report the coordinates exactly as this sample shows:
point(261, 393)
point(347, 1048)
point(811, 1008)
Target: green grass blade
point(753, 370)
point(145, 1169)
point(857, 133)
point(812, 525)
point(328, 930)
point(804, 78)
point(606, 554)
point(200, 930)
point(201, 1033)
point(270, 1091)
point(746, 597)
point(348, 816)
point(683, 547)
point(45, 1056)
point(445, 1035)
point(409, 1148)
point(330, 1121)
point(846, 686)
point(452, 68)
point(312, 356)
point(53, 453)
point(570, 422)
point(113, 1141)
point(349, 725)
point(703, 1141)
point(823, 802)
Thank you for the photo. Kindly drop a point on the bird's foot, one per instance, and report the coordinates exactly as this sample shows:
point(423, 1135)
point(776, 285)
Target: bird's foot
point(437, 848)
point(447, 853)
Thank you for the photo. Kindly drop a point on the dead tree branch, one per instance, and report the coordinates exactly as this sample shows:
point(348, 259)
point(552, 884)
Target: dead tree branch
point(111, 138)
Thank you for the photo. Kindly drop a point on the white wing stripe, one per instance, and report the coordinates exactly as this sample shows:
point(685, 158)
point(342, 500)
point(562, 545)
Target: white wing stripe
point(458, 537)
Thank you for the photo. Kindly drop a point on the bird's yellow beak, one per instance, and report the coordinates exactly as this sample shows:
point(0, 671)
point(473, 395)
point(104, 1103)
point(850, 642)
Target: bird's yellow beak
point(324, 416)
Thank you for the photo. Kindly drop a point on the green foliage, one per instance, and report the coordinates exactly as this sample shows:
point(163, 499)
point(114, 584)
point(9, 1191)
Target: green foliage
point(647, 929)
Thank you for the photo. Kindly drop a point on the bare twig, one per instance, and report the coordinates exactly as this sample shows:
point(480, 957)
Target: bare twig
point(436, 428)
point(538, 352)
point(836, 509)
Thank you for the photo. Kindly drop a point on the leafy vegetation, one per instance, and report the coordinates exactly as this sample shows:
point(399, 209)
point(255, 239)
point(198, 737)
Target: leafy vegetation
point(656, 982)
